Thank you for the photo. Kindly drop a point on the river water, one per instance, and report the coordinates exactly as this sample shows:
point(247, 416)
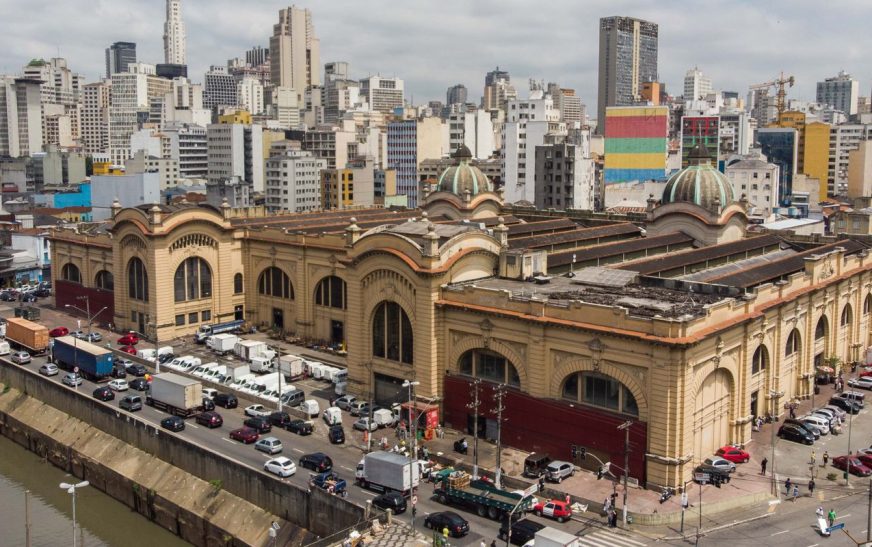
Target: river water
point(102, 520)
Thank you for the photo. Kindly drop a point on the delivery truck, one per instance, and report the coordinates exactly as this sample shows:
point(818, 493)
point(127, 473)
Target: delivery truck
point(175, 394)
point(291, 366)
point(552, 537)
point(480, 496)
point(247, 349)
point(387, 471)
point(260, 364)
point(94, 362)
point(222, 343)
point(205, 331)
point(28, 335)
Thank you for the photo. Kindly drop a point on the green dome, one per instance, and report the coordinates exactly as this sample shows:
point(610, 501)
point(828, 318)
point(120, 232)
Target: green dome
point(699, 183)
point(462, 177)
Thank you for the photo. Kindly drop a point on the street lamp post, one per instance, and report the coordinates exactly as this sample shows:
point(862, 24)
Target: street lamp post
point(476, 384)
point(775, 396)
point(71, 489)
point(626, 427)
point(412, 448)
point(156, 348)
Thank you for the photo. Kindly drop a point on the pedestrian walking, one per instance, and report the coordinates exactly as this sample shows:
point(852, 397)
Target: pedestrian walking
point(787, 486)
point(826, 457)
point(831, 517)
point(820, 511)
point(812, 457)
point(763, 466)
point(811, 487)
point(792, 413)
point(795, 492)
point(607, 505)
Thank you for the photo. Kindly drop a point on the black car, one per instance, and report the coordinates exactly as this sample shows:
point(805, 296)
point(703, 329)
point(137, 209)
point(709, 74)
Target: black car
point(118, 372)
point(139, 384)
point(208, 404)
point(796, 434)
point(173, 423)
point(131, 403)
point(300, 427)
point(259, 424)
point(457, 525)
point(317, 462)
point(28, 297)
point(813, 431)
point(137, 370)
point(210, 419)
point(846, 405)
point(165, 358)
point(104, 393)
point(227, 400)
point(712, 471)
point(336, 434)
point(280, 419)
point(522, 531)
point(390, 500)
point(43, 292)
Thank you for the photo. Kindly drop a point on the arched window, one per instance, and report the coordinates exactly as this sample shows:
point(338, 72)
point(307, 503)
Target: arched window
point(70, 272)
point(490, 366)
point(193, 280)
point(820, 331)
point(392, 333)
point(275, 282)
point(237, 284)
point(599, 390)
point(847, 315)
point(331, 292)
point(793, 345)
point(760, 360)
point(137, 280)
point(105, 280)
point(867, 304)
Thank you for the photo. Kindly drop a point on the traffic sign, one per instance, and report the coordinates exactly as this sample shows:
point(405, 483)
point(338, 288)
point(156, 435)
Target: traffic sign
point(684, 503)
point(702, 478)
point(834, 527)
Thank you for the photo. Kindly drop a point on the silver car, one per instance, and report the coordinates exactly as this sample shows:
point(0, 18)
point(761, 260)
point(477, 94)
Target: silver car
point(559, 470)
point(49, 369)
point(270, 445)
point(720, 463)
point(72, 379)
point(21, 357)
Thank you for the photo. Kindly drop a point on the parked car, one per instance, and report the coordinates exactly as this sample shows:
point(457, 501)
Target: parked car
point(838, 411)
point(165, 357)
point(131, 403)
point(815, 432)
point(358, 408)
point(129, 349)
point(559, 510)
point(733, 454)
point(720, 463)
point(72, 379)
point(42, 292)
point(58, 331)
point(712, 471)
point(173, 423)
point(558, 470)
point(49, 369)
point(536, 464)
point(245, 435)
point(210, 419)
point(857, 467)
point(94, 337)
point(118, 371)
point(129, 339)
point(336, 434)
point(279, 419)
point(257, 410)
point(137, 370)
point(845, 404)
point(345, 402)
point(522, 531)
point(300, 427)
point(281, 466)
point(863, 382)
point(818, 421)
point(103, 393)
point(317, 462)
point(390, 500)
point(209, 392)
point(457, 525)
point(119, 384)
point(270, 445)
point(857, 397)
point(363, 424)
point(260, 424)
point(795, 433)
point(816, 429)
point(139, 384)
point(28, 297)
point(20, 358)
point(227, 400)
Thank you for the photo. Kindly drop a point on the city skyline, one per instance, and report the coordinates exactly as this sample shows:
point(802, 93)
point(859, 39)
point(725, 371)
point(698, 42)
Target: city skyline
point(744, 47)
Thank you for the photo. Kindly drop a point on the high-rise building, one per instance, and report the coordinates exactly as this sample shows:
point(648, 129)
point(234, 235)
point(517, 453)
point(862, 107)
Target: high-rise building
point(409, 143)
point(219, 88)
point(456, 95)
point(257, 56)
point(696, 85)
point(294, 51)
point(843, 138)
point(95, 117)
point(636, 143)
point(188, 145)
point(700, 128)
point(20, 117)
point(61, 98)
point(174, 34)
point(565, 175)
point(382, 94)
point(249, 93)
point(130, 102)
point(571, 109)
point(816, 155)
point(840, 92)
point(757, 180)
point(235, 150)
point(498, 90)
point(119, 56)
point(350, 187)
point(780, 145)
point(627, 59)
point(293, 182)
point(475, 130)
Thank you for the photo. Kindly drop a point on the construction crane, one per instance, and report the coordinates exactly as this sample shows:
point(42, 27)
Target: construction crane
point(781, 94)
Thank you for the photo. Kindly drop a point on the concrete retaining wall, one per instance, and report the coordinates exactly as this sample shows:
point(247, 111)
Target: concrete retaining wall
point(317, 511)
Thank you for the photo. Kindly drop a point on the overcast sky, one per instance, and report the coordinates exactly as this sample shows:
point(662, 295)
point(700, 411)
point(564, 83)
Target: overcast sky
point(433, 44)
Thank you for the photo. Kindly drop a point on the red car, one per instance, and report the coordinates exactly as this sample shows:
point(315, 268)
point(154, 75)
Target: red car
point(555, 509)
point(865, 458)
point(58, 331)
point(245, 435)
point(857, 467)
point(129, 349)
point(733, 454)
point(129, 339)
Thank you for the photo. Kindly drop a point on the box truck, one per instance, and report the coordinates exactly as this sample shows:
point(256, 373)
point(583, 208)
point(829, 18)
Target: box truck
point(205, 331)
point(247, 349)
point(175, 394)
point(28, 335)
point(260, 364)
point(291, 366)
point(222, 343)
point(387, 471)
point(94, 362)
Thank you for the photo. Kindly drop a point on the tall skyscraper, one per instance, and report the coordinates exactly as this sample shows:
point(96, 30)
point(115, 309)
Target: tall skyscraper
point(174, 34)
point(294, 52)
point(696, 85)
point(219, 88)
point(456, 94)
point(840, 92)
point(627, 59)
point(498, 90)
point(119, 56)
point(20, 117)
point(382, 94)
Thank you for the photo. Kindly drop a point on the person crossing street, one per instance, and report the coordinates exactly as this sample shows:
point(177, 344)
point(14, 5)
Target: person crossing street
point(831, 517)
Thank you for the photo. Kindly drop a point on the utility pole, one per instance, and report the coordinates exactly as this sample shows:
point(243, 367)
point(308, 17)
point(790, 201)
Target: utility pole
point(474, 386)
point(412, 452)
point(27, 525)
point(869, 514)
point(699, 526)
point(775, 396)
point(626, 427)
point(499, 396)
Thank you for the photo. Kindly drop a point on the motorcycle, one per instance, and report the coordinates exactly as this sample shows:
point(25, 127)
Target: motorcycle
point(666, 494)
point(461, 446)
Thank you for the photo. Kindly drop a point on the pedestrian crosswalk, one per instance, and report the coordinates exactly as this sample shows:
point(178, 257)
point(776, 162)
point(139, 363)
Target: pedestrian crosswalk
point(604, 538)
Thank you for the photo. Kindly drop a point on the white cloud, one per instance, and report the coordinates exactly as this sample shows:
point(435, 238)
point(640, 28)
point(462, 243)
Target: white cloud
point(433, 44)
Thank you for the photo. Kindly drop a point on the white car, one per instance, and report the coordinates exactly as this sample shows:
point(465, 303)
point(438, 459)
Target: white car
point(118, 385)
point(864, 382)
point(257, 411)
point(281, 466)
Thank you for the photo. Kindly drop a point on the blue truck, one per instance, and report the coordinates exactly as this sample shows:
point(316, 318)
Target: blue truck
point(94, 362)
point(206, 331)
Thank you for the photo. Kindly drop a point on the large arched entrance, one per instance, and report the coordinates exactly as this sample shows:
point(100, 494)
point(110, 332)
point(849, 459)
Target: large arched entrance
point(711, 414)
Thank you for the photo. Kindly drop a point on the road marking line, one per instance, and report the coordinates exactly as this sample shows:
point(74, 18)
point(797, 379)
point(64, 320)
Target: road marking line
point(195, 426)
point(228, 440)
point(814, 545)
point(297, 450)
point(778, 533)
point(843, 516)
point(347, 468)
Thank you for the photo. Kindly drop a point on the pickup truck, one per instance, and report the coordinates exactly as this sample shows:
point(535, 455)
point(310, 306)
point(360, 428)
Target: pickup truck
point(330, 482)
point(257, 411)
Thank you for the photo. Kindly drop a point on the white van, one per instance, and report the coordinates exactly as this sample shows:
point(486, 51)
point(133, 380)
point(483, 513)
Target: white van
point(241, 381)
point(190, 363)
point(203, 369)
point(4, 348)
point(215, 372)
point(332, 415)
point(311, 407)
point(340, 376)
